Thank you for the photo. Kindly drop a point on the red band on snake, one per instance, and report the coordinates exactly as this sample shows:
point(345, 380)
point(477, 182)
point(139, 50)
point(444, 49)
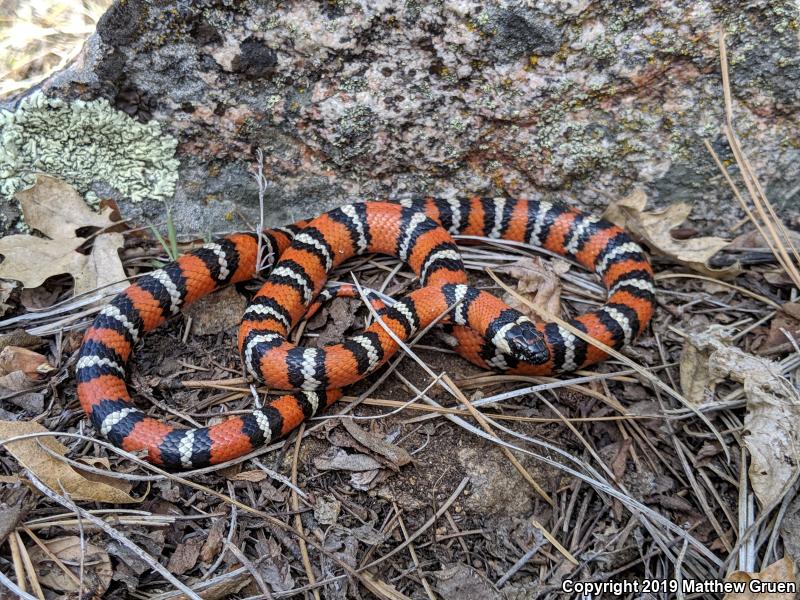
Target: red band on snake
point(489, 333)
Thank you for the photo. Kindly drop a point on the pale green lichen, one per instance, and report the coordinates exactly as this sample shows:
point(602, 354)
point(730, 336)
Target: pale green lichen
point(82, 143)
point(352, 85)
point(458, 124)
point(272, 101)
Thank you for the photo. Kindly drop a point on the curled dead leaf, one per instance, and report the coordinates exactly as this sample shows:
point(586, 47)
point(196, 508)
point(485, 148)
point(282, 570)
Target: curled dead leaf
point(397, 455)
point(217, 312)
point(779, 572)
point(339, 460)
point(55, 209)
point(366, 480)
point(56, 473)
point(335, 318)
point(274, 568)
point(538, 280)
point(462, 581)
point(698, 380)
point(185, 556)
point(655, 229)
point(97, 570)
point(772, 420)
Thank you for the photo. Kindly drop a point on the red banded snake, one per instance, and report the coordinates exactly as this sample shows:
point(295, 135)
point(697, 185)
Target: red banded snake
point(489, 333)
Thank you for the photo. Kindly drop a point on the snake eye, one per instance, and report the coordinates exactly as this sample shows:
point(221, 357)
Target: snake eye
point(527, 343)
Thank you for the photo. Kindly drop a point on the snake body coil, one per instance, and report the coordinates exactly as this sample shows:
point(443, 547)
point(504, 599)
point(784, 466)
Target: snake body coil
point(489, 333)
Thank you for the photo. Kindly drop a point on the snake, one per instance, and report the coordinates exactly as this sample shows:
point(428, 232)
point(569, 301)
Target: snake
point(299, 258)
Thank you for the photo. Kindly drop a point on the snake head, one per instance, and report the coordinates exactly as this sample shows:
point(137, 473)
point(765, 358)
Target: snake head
point(527, 344)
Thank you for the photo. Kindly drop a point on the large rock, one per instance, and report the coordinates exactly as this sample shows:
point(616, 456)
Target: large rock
point(575, 100)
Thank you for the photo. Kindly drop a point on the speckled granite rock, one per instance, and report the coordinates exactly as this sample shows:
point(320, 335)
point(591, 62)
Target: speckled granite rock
point(575, 99)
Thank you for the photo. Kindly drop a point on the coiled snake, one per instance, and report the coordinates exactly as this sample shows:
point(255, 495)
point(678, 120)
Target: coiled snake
point(489, 333)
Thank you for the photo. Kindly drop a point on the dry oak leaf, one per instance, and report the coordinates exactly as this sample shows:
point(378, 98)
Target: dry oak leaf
point(97, 571)
point(538, 280)
point(779, 572)
point(772, 420)
point(654, 229)
point(56, 210)
point(56, 473)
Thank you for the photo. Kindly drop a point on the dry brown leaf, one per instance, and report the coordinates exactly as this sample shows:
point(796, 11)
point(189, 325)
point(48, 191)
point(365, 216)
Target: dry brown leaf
point(698, 382)
point(31, 402)
point(33, 364)
point(224, 587)
point(274, 567)
point(16, 381)
point(104, 264)
point(53, 208)
point(97, 571)
point(20, 337)
point(254, 476)
point(783, 330)
point(753, 239)
point(213, 541)
point(779, 572)
point(380, 588)
point(6, 287)
point(32, 260)
point(377, 444)
point(537, 280)
point(778, 277)
point(458, 581)
point(327, 509)
point(338, 460)
point(366, 480)
point(337, 317)
point(654, 228)
point(792, 309)
point(217, 312)
point(772, 420)
point(55, 473)
point(185, 556)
